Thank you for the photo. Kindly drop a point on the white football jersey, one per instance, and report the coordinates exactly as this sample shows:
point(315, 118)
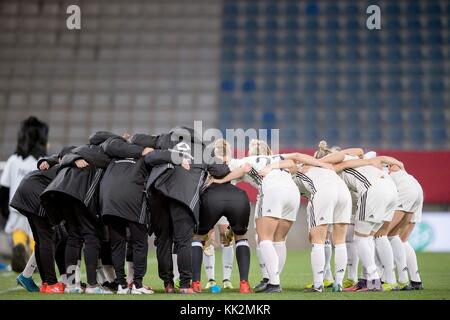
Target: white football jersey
point(360, 179)
point(275, 178)
point(15, 169)
point(404, 180)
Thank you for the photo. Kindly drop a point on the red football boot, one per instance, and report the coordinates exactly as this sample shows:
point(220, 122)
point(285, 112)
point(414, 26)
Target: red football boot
point(196, 286)
point(57, 288)
point(245, 287)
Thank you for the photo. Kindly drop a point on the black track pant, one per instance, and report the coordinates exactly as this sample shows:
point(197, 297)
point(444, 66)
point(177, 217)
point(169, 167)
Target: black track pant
point(173, 225)
point(138, 238)
point(82, 227)
point(44, 236)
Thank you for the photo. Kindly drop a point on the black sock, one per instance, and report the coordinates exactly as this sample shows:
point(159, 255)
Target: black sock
point(243, 258)
point(197, 258)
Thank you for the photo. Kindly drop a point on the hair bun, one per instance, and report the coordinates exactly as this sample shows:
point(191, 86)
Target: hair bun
point(323, 145)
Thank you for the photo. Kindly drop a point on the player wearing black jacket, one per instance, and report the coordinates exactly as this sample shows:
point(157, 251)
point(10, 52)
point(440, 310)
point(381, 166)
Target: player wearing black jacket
point(73, 196)
point(173, 188)
point(123, 205)
point(26, 200)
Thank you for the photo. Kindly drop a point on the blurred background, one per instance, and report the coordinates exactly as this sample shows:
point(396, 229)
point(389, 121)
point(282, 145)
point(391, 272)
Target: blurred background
point(310, 68)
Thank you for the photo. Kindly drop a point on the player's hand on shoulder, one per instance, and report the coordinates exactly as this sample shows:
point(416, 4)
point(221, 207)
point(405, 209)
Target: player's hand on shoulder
point(265, 171)
point(147, 150)
point(81, 163)
point(44, 166)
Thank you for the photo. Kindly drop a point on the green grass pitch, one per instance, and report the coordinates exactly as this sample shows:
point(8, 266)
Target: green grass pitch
point(435, 272)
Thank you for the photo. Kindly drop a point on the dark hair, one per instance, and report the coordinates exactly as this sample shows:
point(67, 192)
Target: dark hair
point(32, 138)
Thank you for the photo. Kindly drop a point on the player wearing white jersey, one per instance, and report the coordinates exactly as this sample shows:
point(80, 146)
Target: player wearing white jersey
point(278, 205)
point(377, 197)
point(407, 213)
point(329, 204)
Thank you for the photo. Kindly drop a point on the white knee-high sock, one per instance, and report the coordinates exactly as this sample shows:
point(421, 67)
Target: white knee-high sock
point(318, 263)
point(227, 261)
point(176, 274)
point(352, 261)
point(280, 248)
point(367, 257)
point(340, 262)
point(130, 272)
point(386, 256)
point(328, 275)
point(209, 263)
point(399, 258)
point(411, 261)
point(30, 267)
point(270, 257)
point(262, 265)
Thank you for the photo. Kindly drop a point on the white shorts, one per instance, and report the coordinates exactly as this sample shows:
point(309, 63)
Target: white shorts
point(329, 205)
point(411, 200)
point(378, 203)
point(281, 203)
point(223, 220)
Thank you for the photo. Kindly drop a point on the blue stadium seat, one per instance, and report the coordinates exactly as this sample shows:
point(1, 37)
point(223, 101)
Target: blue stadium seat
point(393, 9)
point(292, 25)
point(353, 24)
point(439, 136)
point(271, 24)
point(249, 85)
point(290, 136)
point(270, 54)
point(291, 39)
point(373, 102)
point(373, 117)
point(272, 9)
point(437, 86)
point(393, 39)
point(231, 9)
point(394, 86)
point(435, 38)
point(331, 118)
point(312, 9)
point(415, 85)
point(270, 70)
point(227, 71)
point(394, 118)
point(437, 102)
point(249, 71)
point(251, 25)
point(226, 120)
point(332, 24)
point(434, 24)
point(269, 102)
point(269, 120)
point(290, 85)
point(414, 39)
point(374, 136)
point(433, 9)
point(248, 119)
point(437, 119)
point(436, 55)
point(414, 54)
point(290, 102)
point(416, 118)
point(291, 55)
point(392, 24)
point(312, 24)
point(310, 137)
point(251, 9)
point(248, 102)
point(230, 40)
point(332, 136)
point(393, 102)
point(311, 86)
point(250, 54)
point(227, 102)
point(413, 8)
point(292, 9)
point(373, 85)
point(415, 101)
point(395, 135)
point(417, 136)
point(309, 102)
point(332, 9)
point(229, 55)
point(227, 85)
point(270, 39)
point(230, 24)
point(310, 119)
point(351, 118)
point(352, 136)
point(413, 23)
